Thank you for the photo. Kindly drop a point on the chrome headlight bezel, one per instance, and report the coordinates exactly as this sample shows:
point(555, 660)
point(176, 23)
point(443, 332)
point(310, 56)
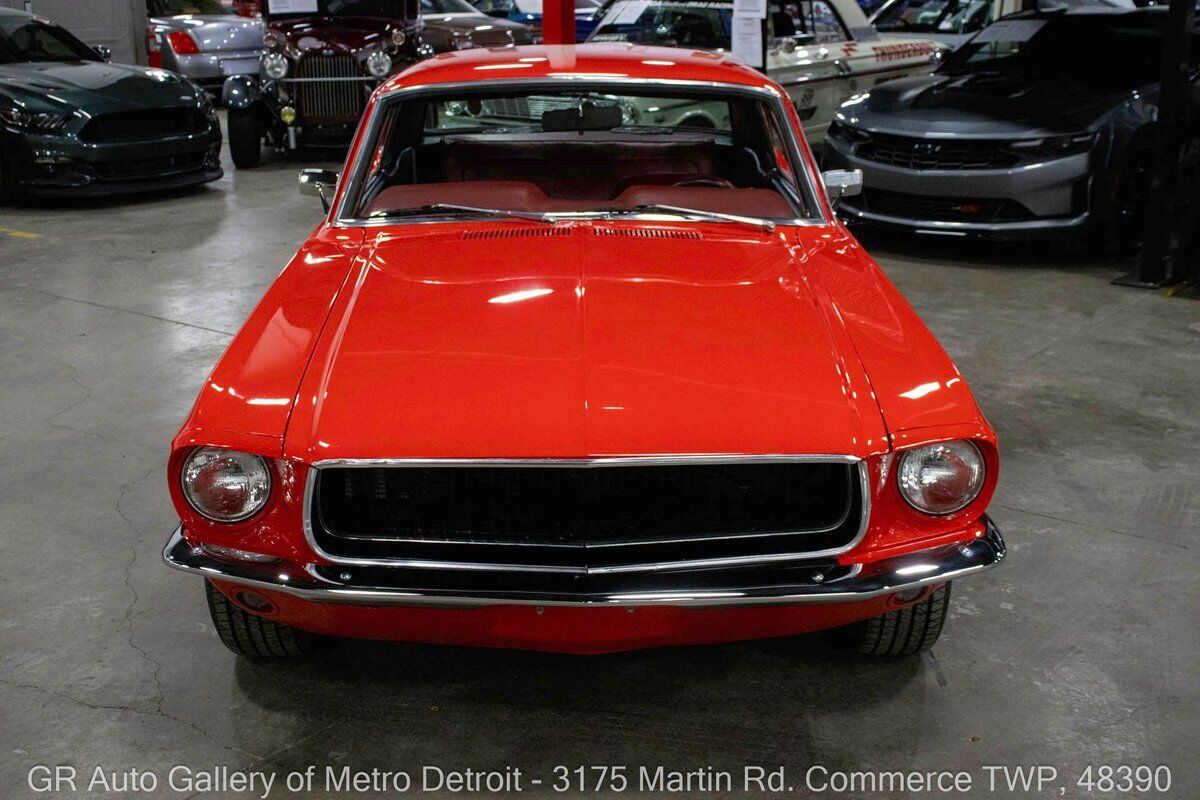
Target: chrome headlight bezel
point(275, 65)
point(378, 64)
point(250, 469)
point(920, 470)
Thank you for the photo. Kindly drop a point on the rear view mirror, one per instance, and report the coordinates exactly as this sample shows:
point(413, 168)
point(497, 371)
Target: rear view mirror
point(320, 183)
point(841, 183)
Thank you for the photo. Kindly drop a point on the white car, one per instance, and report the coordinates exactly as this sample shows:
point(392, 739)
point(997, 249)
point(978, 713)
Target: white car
point(822, 51)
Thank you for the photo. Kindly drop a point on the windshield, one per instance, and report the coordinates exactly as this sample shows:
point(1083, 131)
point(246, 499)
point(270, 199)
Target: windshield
point(34, 39)
point(387, 9)
point(174, 8)
point(703, 25)
point(582, 151)
point(708, 25)
point(1107, 53)
point(933, 16)
point(447, 7)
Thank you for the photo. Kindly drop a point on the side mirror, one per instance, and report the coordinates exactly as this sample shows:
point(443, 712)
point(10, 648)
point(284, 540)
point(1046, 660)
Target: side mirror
point(841, 183)
point(320, 183)
point(104, 52)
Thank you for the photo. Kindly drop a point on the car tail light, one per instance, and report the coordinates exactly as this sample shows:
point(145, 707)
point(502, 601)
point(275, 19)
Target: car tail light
point(182, 43)
point(153, 48)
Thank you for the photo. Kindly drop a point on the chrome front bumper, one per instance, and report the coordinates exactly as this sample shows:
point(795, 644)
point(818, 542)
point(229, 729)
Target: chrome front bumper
point(823, 581)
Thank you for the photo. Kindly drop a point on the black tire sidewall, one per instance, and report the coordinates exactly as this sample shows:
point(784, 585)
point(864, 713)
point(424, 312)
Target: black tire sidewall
point(245, 138)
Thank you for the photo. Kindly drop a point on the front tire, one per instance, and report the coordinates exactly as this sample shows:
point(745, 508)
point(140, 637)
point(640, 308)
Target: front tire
point(245, 141)
point(249, 635)
point(903, 632)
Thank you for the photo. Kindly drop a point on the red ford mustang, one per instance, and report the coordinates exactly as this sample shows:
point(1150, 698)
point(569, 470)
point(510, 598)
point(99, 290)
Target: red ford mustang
point(560, 371)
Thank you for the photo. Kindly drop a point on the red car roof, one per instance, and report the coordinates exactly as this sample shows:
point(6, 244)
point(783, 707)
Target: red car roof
point(594, 60)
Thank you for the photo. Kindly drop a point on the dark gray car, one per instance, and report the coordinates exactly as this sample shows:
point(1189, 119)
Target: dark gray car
point(1041, 124)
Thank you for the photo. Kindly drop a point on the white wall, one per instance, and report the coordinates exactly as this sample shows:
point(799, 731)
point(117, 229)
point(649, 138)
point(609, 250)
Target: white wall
point(117, 24)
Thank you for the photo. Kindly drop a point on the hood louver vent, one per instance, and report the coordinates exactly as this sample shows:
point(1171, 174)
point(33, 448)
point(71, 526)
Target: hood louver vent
point(647, 233)
point(517, 233)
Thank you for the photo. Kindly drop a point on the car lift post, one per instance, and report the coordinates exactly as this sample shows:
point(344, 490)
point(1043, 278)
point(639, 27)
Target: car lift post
point(1162, 257)
point(558, 22)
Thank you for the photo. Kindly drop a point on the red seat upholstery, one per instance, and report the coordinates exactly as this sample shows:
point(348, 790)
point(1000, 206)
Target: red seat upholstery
point(748, 202)
point(566, 168)
point(508, 195)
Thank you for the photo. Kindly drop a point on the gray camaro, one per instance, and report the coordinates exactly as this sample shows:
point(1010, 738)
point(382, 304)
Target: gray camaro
point(202, 40)
point(1041, 124)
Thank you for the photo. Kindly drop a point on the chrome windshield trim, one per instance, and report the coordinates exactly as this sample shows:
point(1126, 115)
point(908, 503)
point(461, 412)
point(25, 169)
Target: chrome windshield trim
point(353, 173)
point(589, 463)
point(856, 584)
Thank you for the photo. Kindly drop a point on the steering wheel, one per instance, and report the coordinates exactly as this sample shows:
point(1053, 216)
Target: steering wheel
point(716, 183)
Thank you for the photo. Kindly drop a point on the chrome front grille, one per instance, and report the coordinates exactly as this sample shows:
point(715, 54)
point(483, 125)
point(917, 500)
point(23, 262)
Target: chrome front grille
point(530, 108)
point(330, 89)
point(620, 515)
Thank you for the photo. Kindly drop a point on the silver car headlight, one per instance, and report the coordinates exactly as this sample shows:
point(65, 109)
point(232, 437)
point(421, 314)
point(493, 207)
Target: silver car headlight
point(225, 485)
point(275, 65)
point(941, 478)
point(379, 64)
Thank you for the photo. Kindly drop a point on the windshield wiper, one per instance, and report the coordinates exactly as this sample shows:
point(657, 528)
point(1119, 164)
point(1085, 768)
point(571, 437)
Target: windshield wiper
point(436, 208)
point(758, 222)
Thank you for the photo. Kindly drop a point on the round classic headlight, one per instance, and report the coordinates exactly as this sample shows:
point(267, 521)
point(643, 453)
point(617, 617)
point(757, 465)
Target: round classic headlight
point(225, 485)
point(275, 65)
point(941, 478)
point(379, 64)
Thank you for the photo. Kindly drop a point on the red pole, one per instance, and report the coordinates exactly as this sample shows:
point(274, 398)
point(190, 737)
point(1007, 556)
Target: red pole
point(558, 21)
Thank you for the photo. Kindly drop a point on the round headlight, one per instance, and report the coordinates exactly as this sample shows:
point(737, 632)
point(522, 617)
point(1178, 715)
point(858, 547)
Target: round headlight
point(225, 485)
point(398, 38)
point(941, 478)
point(379, 64)
point(275, 65)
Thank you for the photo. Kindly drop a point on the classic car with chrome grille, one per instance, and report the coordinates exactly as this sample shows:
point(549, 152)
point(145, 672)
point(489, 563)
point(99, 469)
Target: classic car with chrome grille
point(322, 60)
point(1042, 125)
point(575, 383)
point(72, 124)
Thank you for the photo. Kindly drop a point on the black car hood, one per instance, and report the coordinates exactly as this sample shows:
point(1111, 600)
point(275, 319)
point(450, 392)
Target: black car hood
point(94, 87)
point(980, 104)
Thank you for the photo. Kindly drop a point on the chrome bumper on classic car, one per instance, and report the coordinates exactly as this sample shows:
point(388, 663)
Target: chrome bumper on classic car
point(970, 196)
point(790, 583)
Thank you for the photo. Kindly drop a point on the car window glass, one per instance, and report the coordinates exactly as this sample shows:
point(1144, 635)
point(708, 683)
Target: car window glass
point(928, 16)
point(24, 39)
point(446, 7)
point(1095, 53)
point(706, 26)
point(582, 151)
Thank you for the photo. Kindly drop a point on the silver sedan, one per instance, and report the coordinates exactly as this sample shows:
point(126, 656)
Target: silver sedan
point(202, 40)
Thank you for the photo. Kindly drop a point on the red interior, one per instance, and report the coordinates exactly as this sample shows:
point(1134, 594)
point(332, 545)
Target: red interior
point(525, 196)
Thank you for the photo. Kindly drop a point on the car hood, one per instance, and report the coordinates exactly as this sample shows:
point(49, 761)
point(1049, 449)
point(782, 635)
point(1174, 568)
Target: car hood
point(350, 35)
point(93, 86)
point(217, 32)
point(979, 104)
point(565, 342)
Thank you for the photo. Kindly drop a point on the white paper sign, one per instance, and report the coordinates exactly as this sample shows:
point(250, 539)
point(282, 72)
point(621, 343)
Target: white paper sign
point(750, 8)
point(1011, 30)
point(292, 6)
point(747, 39)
